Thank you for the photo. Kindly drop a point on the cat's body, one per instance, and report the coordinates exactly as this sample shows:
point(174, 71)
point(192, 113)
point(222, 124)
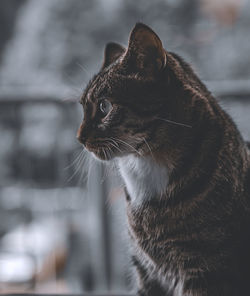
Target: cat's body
point(190, 238)
point(185, 166)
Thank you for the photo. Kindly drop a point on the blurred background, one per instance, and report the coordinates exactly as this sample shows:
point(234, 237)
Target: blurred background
point(62, 215)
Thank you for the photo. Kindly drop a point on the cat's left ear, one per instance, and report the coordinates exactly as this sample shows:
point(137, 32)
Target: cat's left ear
point(145, 51)
point(111, 53)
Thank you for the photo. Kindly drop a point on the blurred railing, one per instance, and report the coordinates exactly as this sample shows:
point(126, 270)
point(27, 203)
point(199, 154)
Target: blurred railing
point(31, 172)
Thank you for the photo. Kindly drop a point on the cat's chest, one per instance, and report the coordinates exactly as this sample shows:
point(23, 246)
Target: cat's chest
point(143, 177)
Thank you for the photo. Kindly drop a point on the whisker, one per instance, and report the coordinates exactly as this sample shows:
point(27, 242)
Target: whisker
point(174, 122)
point(116, 147)
point(125, 143)
point(105, 153)
point(109, 152)
point(83, 68)
point(73, 86)
point(75, 160)
point(148, 147)
point(85, 164)
point(78, 166)
point(108, 142)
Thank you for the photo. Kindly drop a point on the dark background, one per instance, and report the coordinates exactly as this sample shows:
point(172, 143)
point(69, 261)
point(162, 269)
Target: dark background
point(62, 215)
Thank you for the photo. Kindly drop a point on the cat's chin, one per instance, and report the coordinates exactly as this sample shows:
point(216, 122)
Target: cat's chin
point(98, 153)
point(101, 156)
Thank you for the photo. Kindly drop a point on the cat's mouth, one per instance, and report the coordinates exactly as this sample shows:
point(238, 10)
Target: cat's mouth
point(106, 150)
point(92, 146)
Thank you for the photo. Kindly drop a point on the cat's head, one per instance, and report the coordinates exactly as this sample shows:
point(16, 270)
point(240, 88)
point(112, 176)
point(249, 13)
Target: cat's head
point(125, 103)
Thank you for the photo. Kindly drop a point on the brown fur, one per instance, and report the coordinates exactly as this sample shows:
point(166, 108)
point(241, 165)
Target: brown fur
point(195, 238)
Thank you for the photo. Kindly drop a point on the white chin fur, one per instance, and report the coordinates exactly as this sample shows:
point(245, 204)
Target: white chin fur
point(143, 177)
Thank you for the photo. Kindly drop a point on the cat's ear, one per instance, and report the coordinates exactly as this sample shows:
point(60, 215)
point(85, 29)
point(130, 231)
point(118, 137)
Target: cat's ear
point(111, 53)
point(145, 50)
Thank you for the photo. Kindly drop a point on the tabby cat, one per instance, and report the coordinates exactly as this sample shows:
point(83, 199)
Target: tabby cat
point(185, 167)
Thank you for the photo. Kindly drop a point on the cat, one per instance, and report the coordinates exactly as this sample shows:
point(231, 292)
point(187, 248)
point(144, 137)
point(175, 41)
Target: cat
point(185, 167)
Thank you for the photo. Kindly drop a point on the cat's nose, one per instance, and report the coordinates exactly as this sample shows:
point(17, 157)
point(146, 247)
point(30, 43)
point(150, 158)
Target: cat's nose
point(84, 131)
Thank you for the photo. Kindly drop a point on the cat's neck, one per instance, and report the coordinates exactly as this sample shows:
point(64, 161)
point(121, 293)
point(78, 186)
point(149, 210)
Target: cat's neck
point(143, 177)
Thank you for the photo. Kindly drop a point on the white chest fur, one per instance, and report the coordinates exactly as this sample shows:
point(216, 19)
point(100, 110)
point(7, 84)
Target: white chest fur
point(143, 177)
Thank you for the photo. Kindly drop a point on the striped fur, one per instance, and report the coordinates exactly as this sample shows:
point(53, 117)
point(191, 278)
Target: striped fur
point(185, 165)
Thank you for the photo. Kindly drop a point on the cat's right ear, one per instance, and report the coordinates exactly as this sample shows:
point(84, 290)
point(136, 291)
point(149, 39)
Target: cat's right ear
point(111, 53)
point(145, 53)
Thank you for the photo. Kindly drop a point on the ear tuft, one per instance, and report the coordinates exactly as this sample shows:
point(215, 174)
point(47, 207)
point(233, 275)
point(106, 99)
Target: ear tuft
point(146, 48)
point(112, 52)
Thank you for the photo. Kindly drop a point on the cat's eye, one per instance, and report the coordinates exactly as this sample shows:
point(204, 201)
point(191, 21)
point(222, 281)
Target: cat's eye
point(105, 107)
